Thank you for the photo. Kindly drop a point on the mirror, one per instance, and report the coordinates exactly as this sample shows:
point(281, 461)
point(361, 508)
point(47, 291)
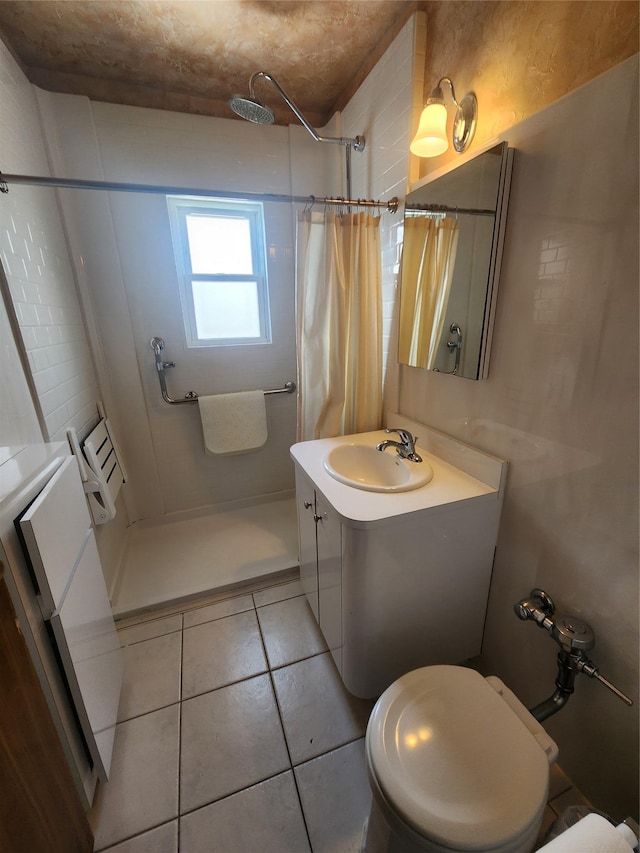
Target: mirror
point(452, 247)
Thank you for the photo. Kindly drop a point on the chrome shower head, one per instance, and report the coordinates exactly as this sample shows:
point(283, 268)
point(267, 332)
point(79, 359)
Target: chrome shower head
point(251, 110)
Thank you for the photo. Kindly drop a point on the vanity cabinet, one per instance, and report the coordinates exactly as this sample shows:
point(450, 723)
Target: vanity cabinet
point(399, 580)
point(319, 532)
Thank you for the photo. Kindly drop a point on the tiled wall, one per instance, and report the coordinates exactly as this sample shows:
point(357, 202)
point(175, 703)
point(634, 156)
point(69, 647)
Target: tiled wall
point(36, 262)
point(561, 405)
point(547, 405)
point(383, 110)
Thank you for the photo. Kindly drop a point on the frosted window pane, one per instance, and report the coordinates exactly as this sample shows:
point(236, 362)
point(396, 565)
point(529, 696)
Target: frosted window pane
point(226, 310)
point(219, 245)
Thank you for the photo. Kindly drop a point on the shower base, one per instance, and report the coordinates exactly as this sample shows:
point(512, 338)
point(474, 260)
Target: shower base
point(187, 557)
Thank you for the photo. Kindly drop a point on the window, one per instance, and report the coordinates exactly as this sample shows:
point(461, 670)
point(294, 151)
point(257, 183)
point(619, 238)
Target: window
point(220, 258)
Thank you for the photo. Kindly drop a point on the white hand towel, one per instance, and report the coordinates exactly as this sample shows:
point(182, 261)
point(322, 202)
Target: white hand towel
point(233, 423)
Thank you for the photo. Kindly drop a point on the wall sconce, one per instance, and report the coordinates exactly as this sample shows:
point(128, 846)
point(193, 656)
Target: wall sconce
point(431, 138)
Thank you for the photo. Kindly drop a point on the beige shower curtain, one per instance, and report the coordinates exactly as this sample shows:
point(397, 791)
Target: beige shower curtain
point(428, 259)
point(339, 324)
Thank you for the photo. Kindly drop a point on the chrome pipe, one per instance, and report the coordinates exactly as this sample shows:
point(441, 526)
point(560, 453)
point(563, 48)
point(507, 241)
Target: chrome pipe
point(564, 688)
point(356, 143)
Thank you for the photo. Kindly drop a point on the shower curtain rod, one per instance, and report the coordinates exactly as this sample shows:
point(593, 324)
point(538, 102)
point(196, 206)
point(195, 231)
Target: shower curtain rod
point(78, 184)
point(434, 209)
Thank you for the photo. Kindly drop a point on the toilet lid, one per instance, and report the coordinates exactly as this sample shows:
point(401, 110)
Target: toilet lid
point(454, 761)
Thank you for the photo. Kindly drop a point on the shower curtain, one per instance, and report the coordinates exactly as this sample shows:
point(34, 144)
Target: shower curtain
point(428, 259)
point(339, 324)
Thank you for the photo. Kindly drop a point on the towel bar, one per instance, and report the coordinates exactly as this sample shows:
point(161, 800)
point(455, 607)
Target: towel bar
point(157, 345)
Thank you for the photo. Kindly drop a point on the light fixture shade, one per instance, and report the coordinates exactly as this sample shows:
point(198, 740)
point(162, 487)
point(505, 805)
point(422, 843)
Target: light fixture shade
point(431, 137)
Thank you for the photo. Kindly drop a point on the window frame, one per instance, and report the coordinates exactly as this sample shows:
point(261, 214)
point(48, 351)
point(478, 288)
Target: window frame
point(180, 207)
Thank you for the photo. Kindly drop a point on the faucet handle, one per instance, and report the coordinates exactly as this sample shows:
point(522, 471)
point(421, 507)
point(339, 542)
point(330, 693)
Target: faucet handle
point(405, 435)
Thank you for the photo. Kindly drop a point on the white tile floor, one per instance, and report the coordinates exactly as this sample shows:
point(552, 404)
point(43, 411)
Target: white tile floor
point(236, 735)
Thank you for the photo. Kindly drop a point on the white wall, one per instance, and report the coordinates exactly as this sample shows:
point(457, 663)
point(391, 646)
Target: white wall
point(39, 273)
point(561, 400)
point(561, 404)
point(124, 247)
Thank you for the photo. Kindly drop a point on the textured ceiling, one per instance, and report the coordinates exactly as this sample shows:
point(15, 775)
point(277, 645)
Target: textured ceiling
point(192, 55)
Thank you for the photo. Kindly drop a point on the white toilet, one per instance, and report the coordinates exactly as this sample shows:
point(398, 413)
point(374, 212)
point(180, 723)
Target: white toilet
point(455, 763)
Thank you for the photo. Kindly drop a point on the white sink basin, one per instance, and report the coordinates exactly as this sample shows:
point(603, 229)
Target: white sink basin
point(364, 467)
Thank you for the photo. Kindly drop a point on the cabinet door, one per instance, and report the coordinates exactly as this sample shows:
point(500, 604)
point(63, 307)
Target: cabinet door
point(306, 503)
point(329, 577)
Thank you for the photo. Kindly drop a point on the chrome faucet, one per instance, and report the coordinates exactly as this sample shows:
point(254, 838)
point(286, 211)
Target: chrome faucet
point(405, 448)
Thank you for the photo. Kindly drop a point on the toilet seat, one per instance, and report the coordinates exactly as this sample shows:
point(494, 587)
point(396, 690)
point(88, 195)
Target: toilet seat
point(459, 764)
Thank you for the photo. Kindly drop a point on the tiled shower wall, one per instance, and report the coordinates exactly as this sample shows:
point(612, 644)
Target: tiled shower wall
point(383, 110)
point(133, 288)
point(37, 266)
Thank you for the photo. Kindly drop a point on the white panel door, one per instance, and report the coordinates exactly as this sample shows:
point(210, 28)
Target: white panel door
point(73, 595)
point(55, 528)
point(90, 652)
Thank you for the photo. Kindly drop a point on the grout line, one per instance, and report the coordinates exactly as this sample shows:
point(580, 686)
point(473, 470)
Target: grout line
point(146, 639)
point(180, 729)
point(136, 835)
point(146, 713)
point(227, 684)
point(284, 734)
point(234, 793)
point(279, 600)
point(299, 660)
point(329, 751)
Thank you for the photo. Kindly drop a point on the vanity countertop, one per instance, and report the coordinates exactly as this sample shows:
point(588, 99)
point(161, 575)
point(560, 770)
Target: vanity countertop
point(450, 484)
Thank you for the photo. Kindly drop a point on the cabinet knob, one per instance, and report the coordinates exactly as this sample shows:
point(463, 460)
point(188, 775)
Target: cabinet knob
point(319, 517)
point(308, 504)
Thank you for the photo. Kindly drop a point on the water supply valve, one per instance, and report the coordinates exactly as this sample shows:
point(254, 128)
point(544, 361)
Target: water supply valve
point(539, 607)
point(574, 637)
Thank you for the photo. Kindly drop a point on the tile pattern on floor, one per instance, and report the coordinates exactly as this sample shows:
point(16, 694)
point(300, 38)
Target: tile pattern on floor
point(236, 735)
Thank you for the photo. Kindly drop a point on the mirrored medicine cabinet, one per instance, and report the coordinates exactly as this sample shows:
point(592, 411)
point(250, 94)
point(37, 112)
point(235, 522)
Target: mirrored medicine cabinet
point(452, 247)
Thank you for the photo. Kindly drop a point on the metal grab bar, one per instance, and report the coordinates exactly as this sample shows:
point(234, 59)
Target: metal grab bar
point(157, 345)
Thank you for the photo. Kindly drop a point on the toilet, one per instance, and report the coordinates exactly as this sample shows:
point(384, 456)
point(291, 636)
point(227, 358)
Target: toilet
point(455, 763)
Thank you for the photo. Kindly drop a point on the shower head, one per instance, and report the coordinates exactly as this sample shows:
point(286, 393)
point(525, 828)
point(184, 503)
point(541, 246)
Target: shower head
point(251, 110)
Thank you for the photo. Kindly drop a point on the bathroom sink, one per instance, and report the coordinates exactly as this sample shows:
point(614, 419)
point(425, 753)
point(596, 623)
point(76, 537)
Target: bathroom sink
point(364, 467)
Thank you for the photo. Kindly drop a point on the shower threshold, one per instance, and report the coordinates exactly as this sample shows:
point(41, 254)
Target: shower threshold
point(175, 560)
